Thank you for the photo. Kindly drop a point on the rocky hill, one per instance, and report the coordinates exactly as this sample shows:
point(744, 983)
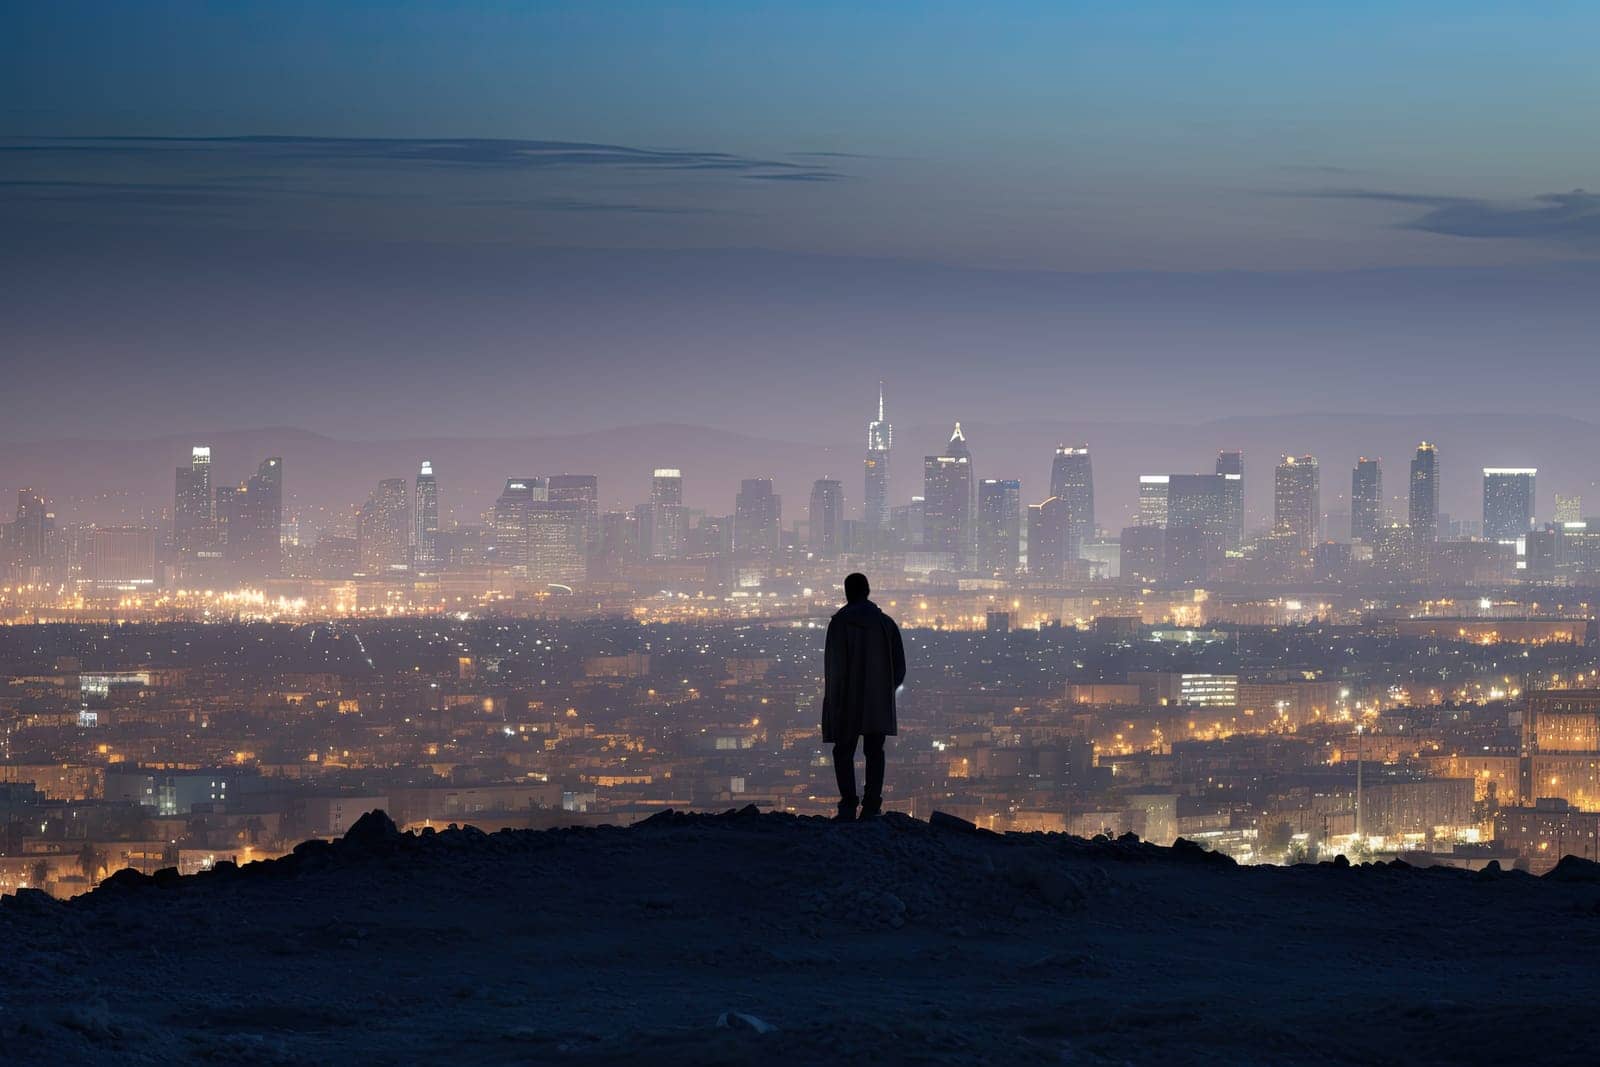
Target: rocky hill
point(750, 937)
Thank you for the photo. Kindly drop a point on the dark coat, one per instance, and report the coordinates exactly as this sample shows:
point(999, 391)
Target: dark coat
point(866, 663)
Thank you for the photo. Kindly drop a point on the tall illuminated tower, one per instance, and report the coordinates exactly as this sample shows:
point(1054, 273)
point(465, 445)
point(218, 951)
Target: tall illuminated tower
point(667, 533)
point(875, 498)
point(1231, 466)
point(1072, 482)
point(949, 493)
point(1366, 501)
point(1297, 501)
point(1425, 495)
point(425, 518)
point(999, 526)
point(193, 507)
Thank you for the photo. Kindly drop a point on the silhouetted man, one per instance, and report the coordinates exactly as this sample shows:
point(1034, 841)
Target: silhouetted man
point(866, 663)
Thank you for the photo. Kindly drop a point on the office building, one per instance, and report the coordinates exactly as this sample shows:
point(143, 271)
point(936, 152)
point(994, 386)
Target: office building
point(1198, 525)
point(192, 515)
point(825, 519)
point(1366, 501)
point(949, 494)
point(383, 529)
point(1297, 503)
point(555, 531)
point(999, 526)
point(1048, 539)
point(757, 521)
point(1072, 481)
point(1424, 510)
point(1153, 500)
point(582, 491)
point(1231, 466)
point(508, 548)
point(425, 519)
point(667, 533)
point(1508, 502)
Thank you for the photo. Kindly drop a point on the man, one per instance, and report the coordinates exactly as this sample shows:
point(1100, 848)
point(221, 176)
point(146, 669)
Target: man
point(865, 665)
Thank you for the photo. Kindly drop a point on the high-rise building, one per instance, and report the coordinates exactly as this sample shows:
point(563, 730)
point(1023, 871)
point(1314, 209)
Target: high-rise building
point(1569, 508)
point(1507, 502)
point(383, 529)
point(1153, 499)
point(555, 532)
point(875, 497)
point(668, 533)
point(1297, 502)
point(1143, 556)
point(949, 494)
point(1424, 496)
point(508, 548)
point(825, 520)
point(250, 526)
point(193, 519)
point(29, 531)
point(1366, 501)
point(1198, 525)
point(1048, 523)
point(999, 526)
point(425, 519)
point(582, 490)
point(1231, 466)
point(1072, 480)
point(757, 521)
point(121, 557)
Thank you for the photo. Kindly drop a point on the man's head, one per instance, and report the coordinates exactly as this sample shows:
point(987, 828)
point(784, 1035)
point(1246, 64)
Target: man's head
point(856, 588)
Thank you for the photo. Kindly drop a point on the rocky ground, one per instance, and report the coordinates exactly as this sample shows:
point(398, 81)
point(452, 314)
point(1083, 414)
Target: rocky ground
point(748, 937)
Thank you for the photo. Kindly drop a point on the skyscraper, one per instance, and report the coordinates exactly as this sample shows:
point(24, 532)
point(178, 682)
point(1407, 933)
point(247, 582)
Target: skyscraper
point(1366, 501)
point(1424, 496)
point(383, 529)
point(1047, 538)
point(1153, 499)
point(509, 546)
point(1072, 480)
point(425, 519)
point(30, 527)
point(667, 534)
point(949, 494)
point(582, 490)
point(254, 536)
point(875, 497)
point(555, 541)
point(1507, 502)
point(826, 518)
point(1297, 502)
point(1198, 525)
point(1231, 466)
point(757, 521)
point(192, 515)
point(1569, 508)
point(999, 526)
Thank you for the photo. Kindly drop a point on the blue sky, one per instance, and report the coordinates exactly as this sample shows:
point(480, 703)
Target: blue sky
point(458, 145)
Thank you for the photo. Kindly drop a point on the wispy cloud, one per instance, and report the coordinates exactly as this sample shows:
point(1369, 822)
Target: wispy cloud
point(1555, 218)
point(462, 152)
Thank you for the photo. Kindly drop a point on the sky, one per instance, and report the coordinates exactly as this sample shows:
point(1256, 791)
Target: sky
point(392, 219)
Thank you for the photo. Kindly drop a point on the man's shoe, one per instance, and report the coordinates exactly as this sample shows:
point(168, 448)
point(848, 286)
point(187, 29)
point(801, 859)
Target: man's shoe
point(871, 809)
point(847, 810)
